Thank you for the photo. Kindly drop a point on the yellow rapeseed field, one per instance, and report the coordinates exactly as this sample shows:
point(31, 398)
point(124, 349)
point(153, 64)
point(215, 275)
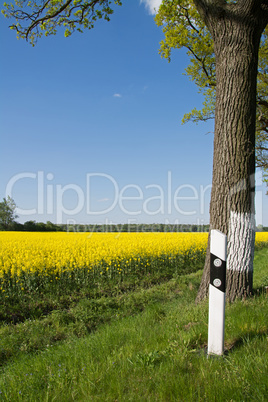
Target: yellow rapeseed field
point(88, 256)
point(261, 239)
point(39, 252)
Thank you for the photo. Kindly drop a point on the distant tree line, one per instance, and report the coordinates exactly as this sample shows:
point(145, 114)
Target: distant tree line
point(8, 222)
point(130, 227)
point(33, 226)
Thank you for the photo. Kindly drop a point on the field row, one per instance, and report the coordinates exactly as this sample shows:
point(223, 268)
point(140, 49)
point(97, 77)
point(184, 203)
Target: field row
point(31, 261)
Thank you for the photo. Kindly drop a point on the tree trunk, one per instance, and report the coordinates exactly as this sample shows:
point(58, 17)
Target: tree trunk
point(236, 43)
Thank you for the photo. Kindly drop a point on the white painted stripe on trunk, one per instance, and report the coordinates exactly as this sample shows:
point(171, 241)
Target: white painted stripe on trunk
point(216, 321)
point(241, 240)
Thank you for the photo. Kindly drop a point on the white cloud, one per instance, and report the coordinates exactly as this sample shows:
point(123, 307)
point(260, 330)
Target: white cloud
point(117, 96)
point(103, 199)
point(152, 5)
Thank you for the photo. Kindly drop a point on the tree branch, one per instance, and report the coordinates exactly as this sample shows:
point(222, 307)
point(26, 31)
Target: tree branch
point(202, 62)
point(46, 17)
point(189, 20)
point(52, 13)
point(262, 102)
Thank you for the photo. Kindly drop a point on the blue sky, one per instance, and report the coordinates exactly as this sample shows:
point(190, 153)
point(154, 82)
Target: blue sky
point(91, 127)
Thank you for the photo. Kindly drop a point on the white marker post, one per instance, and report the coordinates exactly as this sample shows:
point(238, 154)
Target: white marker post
point(218, 252)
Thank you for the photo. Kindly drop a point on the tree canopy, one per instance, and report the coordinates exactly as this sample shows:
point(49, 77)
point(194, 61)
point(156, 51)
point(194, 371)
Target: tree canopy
point(184, 27)
point(36, 18)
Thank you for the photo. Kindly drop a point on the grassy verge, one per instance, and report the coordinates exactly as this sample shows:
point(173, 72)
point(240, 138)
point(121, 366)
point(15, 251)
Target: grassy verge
point(147, 345)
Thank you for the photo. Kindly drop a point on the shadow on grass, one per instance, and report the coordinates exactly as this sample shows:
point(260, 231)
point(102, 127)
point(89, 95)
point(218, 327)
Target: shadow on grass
point(244, 339)
point(236, 344)
point(261, 290)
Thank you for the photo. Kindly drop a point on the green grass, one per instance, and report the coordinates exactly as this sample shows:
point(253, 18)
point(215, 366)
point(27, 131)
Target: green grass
point(144, 344)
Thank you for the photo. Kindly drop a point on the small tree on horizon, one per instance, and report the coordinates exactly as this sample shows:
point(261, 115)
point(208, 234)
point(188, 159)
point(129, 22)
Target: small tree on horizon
point(7, 213)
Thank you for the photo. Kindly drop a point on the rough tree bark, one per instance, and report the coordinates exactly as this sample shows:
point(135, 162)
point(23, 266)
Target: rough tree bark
point(236, 29)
